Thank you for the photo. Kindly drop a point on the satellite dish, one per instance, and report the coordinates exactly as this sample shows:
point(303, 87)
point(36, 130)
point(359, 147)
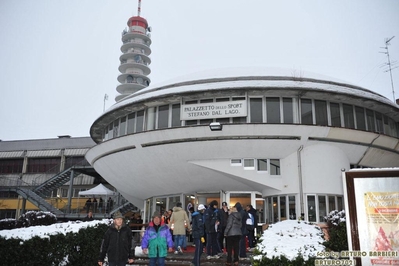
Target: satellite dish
point(149, 29)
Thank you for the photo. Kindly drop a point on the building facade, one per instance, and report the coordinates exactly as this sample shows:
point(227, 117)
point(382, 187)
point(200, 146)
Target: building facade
point(283, 143)
point(27, 164)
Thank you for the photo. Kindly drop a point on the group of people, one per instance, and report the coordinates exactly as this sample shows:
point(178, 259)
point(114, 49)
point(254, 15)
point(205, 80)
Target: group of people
point(209, 226)
point(228, 229)
point(94, 205)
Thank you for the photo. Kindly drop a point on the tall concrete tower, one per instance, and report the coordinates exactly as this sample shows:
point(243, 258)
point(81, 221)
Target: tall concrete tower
point(135, 58)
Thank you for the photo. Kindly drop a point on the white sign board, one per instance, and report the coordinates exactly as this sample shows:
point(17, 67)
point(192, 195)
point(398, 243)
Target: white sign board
point(213, 110)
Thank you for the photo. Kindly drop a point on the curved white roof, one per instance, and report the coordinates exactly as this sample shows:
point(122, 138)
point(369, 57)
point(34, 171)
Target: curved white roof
point(255, 77)
point(221, 73)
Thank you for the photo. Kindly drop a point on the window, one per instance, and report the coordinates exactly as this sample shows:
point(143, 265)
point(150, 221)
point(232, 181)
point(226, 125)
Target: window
point(262, 164)
point(111, 130)
point(191, 122)
point(255, 110)
point(348, 116)
point(140, 121)
point(322, 208)
point(235, 161)
point(335, 115)
point(222, 100)
point(131, 122)
point(306, 112)
point(78, 160)
point(137, 59)
point(321, 112)
point(44, 165)
point(273, 110)
point(129, 79)
point(122, 127)
point(370, 120)
point(311, 208)
point(292, 207)
point(340, 203)
point(378, 120)
point(10, 166)
point(249, 164)
point(387, 129)
point(163, 116)
point(275, 208)
point(331, 203)
point(150, 118)
point(283, 208)
point(223, 120)
point(116, 128)
point(360, 119)
point(288, 111)
point(275, 166)
point(176, 115)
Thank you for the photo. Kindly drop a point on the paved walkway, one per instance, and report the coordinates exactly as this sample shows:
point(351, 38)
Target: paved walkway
point(187, 256)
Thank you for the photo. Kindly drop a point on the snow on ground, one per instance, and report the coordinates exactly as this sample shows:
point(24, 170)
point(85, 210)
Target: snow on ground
point(289, 238)
point(286, 238)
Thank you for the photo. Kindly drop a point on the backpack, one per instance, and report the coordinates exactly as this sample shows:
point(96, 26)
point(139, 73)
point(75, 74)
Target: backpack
point(250, 222)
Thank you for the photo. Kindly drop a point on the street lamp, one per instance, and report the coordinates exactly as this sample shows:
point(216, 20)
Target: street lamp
point(215, 126)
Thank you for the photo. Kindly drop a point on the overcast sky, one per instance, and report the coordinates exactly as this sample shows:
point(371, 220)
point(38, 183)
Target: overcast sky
point(59, 58)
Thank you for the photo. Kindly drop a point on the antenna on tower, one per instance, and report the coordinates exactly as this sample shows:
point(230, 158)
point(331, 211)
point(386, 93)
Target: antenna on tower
point(139, 8)
point(389, 64)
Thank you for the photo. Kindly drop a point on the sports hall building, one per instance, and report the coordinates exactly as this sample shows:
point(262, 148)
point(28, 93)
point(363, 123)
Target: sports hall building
point(274, 138)
point(268, 137)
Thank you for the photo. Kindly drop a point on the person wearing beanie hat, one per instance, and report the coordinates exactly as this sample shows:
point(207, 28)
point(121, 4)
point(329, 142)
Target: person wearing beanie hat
point(157, 241)
point(198, 233)
point(156, 214)
point(117, 243)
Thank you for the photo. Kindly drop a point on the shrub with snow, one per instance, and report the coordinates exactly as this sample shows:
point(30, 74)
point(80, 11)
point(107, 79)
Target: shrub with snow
point(336, 221)
point(33, 218)
point(290, 239)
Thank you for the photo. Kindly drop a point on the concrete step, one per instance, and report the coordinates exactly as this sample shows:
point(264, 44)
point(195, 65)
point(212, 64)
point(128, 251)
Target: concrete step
point(186, 258)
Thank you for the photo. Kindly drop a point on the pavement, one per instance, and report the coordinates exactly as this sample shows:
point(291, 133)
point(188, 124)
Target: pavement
point(187, 256)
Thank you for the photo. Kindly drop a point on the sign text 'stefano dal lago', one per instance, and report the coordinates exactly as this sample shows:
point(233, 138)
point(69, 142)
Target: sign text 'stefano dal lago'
point(213, 110)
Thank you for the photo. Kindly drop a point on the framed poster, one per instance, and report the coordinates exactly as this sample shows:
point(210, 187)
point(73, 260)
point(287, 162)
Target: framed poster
point(372, 204)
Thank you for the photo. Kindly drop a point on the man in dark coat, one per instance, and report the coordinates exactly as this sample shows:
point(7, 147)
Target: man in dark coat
point(212, 220)
point(244, 216)
point(117, 243)
point(251, 233)
point(224, 214)
point(89, 217)
point(198, 233)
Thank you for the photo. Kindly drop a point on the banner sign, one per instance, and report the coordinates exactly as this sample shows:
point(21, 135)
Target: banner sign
point(372, 203)
point(213, 110)
point(382, 211)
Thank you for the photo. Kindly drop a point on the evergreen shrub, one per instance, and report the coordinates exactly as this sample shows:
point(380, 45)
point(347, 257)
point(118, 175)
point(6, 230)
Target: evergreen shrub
point(338, 241)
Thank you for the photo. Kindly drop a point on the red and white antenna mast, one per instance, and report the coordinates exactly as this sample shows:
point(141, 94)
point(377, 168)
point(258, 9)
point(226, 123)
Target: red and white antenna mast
point(139, 8)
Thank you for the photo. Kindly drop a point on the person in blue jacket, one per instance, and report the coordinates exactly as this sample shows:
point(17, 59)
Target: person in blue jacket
point(157, 241)
point(198, 231)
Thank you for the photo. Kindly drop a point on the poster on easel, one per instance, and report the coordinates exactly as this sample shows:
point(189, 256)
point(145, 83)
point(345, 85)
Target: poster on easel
point(382, 211)
point(372, 204)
